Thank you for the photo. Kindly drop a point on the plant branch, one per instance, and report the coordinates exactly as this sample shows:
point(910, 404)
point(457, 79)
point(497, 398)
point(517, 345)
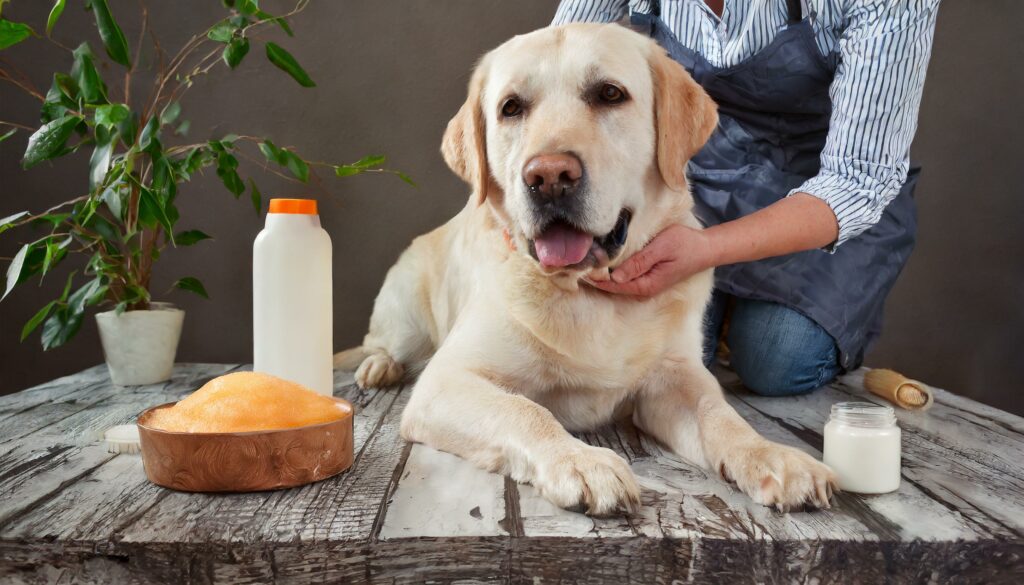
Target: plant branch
point(16, 125)
point(32, 218)
point(24, 84)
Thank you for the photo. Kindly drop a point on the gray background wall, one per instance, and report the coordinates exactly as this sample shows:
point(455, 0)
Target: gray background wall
point(391, 73)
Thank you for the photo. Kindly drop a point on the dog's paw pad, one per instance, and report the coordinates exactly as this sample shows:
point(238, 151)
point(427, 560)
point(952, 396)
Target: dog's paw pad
point(589, 479)
point(378, 370)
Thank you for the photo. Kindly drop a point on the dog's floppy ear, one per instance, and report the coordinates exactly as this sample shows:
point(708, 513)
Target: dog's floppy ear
point(684, 117)
point(464, 145)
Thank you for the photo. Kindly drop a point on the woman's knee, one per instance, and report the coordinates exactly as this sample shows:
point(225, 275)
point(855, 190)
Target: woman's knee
point(777, 351)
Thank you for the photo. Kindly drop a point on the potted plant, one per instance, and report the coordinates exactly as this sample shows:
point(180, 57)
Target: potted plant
point(121, 223)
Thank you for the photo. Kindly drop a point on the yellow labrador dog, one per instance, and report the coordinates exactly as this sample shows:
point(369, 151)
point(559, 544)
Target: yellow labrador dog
point(574, 140)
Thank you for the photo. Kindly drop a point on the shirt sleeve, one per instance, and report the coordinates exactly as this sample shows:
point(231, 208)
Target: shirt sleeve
point(590, 11)
point(876, 95)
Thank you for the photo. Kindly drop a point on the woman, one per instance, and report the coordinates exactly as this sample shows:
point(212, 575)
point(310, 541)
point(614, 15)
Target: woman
point(805, 187)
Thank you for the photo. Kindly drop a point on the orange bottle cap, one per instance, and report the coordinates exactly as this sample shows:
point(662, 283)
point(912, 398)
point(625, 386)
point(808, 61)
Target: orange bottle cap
point(299, 206)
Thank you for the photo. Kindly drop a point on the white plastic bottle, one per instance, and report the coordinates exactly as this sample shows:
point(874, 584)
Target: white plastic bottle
point(291, 286)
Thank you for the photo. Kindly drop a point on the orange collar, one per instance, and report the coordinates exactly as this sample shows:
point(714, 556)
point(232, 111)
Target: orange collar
point(508, 240)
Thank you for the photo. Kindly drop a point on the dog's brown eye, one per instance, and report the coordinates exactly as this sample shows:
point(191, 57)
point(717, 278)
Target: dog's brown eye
point(511, 108)
point(611, 94)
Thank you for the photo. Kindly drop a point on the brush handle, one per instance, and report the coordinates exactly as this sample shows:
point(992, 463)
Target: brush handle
point(898, 389)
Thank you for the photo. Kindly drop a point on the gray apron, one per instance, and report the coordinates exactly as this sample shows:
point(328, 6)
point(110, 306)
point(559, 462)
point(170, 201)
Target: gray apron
point(774, 111)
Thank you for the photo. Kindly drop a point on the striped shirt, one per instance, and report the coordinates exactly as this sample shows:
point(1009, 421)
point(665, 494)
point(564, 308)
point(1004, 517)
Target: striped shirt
point(882, 49)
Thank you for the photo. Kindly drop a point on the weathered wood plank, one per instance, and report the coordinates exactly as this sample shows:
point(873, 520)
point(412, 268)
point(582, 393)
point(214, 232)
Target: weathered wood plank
point(92, 508)
point(18, 402)
point(440, 494)
point(627, 560)
point(42, 462)
point(83, 407)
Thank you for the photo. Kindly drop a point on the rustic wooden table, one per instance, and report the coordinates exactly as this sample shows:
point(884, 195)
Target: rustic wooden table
point(71, 512)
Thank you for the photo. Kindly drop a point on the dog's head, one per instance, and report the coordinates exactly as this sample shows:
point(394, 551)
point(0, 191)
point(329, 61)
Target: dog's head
point(578, 138)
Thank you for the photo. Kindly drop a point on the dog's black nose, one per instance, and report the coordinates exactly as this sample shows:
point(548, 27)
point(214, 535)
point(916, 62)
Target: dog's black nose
point(553, 175)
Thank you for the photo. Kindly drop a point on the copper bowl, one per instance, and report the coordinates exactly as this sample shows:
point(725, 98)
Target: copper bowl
point(245, 462)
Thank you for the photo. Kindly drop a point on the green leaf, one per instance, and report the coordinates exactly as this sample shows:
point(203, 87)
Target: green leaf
point(111, 115)
point(84, 72)
point(49, 140)
point(152, 212)
point(104, 228)
point(7, 223)
point(192, 284)
point(190, 237)
point(36, 320)
point(347, 170)
point(12, 33)
point(247, 7)
point(284, 60)
point(256, 197)
point(406, 178)
point(53, 218)
point(235, 51)
point(222, 32)
point(88, 295)
point(150, 135)
point(7, 135)
point(113, 39)
point(15, 269)
point(114, 199)
point(60, 327)
point(55, 252)
point(271, 152)
point(196, 158)
point(286, 158)
point(55, 12)
point(280, 21)
point(182, 129)
point(164, 180)
point(297, 166)
point(374, 160)
point(99, 162)
point(67, 287)
point(226, 165)
point(170, 113)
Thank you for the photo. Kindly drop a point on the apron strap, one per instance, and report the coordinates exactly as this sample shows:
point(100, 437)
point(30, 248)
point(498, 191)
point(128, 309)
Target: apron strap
point(796, 12)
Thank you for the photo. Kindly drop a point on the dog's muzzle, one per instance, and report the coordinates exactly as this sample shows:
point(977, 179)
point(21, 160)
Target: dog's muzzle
point(561, 245)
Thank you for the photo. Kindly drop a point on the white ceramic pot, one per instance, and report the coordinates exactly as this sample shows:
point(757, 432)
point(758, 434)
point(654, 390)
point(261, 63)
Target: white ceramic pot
point(140, 345)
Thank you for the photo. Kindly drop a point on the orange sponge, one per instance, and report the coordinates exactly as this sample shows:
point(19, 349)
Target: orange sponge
point(248, 401)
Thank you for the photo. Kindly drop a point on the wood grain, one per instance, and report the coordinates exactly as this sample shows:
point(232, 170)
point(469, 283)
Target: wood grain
point(71, 512)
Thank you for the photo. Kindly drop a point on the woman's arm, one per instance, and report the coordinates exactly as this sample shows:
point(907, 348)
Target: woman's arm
point(797, 223)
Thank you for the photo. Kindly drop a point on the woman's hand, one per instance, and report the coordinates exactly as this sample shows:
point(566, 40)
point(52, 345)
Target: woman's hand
point(675, 254)
point(792, 224)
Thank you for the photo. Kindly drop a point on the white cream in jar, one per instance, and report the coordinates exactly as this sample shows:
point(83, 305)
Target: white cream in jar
point(862, 445)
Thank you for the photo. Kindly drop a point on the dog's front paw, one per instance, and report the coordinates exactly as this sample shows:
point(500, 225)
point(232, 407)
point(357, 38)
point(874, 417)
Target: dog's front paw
point(378, 370)
point(591, 479)
point(784, 477)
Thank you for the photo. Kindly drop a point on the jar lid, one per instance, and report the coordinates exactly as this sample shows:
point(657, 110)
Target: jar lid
point(863, 414)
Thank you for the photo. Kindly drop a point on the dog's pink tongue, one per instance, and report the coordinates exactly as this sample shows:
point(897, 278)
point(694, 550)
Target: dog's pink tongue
point(561, 245)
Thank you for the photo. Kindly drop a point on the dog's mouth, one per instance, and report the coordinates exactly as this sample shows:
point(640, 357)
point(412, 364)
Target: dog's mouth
point(561, 245)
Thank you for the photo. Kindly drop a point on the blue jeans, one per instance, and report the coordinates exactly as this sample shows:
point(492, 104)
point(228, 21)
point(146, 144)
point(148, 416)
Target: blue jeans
point(775, 350)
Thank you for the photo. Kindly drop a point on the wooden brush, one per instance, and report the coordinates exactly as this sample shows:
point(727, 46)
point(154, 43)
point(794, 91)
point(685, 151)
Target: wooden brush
point(898, 389)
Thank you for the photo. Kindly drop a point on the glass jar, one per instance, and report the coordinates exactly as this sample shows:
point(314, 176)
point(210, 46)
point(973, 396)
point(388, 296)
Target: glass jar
point(862, 445)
